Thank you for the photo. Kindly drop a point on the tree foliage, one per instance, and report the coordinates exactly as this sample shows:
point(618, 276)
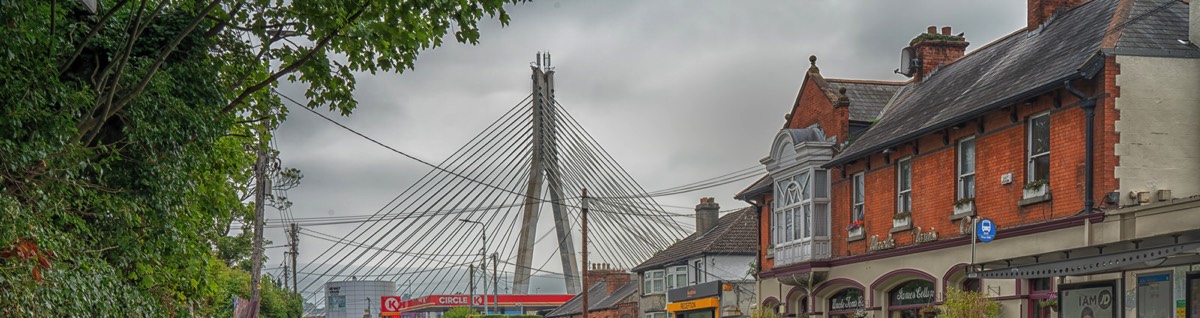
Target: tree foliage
point(968, 304)
point(127, 137)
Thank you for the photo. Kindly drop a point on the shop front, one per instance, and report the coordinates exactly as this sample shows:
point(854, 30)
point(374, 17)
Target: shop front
point(1155, 276)
point(433, 306)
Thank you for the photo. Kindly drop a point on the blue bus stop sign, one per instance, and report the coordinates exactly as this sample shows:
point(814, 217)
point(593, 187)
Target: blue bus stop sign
point(985, 230)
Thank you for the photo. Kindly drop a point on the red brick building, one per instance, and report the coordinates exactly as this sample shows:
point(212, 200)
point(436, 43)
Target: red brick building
point(611, 294)
point(874, 186)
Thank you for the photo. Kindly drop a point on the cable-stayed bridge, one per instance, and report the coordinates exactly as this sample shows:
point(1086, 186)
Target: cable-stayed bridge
point(530, 164)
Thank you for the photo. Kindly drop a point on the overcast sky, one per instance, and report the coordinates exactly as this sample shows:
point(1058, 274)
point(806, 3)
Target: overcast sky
point(676, 91)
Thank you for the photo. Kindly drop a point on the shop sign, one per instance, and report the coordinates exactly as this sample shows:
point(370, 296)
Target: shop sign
point(887, 243)
point(922, 237)
point(1088, 300)
point(847, 299)
point(708, 289)
point(711, 302)
point(390, 304)
point(915, 292)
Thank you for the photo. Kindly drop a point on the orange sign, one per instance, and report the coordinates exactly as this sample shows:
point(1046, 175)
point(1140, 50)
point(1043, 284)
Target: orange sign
point(711, 302)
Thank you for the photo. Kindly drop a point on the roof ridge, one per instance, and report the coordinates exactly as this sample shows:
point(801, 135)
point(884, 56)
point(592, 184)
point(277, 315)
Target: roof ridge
point(862, 81)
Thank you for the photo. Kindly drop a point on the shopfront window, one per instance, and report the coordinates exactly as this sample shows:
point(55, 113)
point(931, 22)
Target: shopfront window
point(906, 300)
point(844, 303)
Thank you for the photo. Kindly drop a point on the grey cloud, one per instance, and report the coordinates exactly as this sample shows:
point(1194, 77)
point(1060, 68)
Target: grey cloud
point(676, 91)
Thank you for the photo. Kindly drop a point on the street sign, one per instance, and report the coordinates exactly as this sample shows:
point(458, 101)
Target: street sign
point(986, 230)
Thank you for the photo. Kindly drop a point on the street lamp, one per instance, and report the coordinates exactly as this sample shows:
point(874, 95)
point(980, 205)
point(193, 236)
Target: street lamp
point(483, 258)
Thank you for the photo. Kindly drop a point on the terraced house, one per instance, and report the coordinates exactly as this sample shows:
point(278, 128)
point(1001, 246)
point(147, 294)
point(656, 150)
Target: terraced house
point(1076, 136)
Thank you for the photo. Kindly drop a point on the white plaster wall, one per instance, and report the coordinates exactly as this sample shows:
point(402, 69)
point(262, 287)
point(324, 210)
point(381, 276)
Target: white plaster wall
point(723, 267)
point(1159, 125)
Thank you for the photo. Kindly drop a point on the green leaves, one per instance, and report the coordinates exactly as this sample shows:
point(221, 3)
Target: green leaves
point(123, 136)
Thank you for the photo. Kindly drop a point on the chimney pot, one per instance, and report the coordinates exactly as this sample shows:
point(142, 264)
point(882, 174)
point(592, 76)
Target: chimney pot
point(945, 30)
point(932, 29)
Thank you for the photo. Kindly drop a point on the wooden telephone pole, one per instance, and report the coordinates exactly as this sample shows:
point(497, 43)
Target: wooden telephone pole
point(260, 196)
point(583, 228)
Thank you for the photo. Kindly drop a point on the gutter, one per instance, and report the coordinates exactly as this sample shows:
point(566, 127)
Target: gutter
point(1086, 70)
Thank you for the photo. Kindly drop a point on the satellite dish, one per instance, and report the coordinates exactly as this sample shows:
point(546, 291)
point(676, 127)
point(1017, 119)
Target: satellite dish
point(907, 62)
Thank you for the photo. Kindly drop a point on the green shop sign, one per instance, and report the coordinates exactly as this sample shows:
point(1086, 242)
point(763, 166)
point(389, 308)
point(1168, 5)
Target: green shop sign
point(915, 292)
point(847, 299)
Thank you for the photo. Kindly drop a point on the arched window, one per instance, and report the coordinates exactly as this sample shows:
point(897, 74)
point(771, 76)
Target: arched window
point(845, 303)
point(906, 300)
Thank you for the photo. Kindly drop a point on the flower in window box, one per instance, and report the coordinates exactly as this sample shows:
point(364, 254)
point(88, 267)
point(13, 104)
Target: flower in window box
point(963, 202)
point(855, 225)
point(1036, 184)
point(901, 216)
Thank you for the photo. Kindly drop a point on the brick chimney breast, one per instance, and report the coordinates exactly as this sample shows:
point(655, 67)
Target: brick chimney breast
point(707, 213)
point(933, 50)
point(1040, 11)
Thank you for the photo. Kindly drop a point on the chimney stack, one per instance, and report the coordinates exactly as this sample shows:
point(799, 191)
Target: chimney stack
point(933, 50)
point(707, 213)
point(603, 272)
point(1040, 11)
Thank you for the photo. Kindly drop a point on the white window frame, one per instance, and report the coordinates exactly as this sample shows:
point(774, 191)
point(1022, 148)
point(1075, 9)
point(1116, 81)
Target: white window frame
point(1031, 168)
point(858, 200)
point(656, 315)
point(673, 275)
point(901, 192)
point(797, 205)
point(649, 281)
point(963, 175)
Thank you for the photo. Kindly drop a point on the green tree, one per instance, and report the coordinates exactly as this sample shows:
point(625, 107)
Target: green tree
point(968, 304)
point(460, 312)
point(125, 134)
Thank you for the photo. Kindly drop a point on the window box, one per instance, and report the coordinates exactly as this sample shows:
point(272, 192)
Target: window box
point(855, 231)
point(1036, 189)
point(902, 221)
point(963, 208)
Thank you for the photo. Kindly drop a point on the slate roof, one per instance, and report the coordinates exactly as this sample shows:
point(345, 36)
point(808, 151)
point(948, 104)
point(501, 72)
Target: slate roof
point(1020, 65)
point(867, 98)
point(736, 233)
point(762, 185)
point(1154, 27)
point(598, 299)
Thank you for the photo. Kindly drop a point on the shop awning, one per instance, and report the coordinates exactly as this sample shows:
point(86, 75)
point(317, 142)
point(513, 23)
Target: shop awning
point(1156, 251)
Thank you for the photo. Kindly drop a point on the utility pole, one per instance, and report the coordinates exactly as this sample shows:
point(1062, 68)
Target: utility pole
point(260, 196)
point(295, 253)
point(496, 283)
point(471, 285)
point(583, 227)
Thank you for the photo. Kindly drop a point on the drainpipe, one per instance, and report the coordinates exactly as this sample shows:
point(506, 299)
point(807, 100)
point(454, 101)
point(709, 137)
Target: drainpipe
point(1089, 110)
point(757, 251)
